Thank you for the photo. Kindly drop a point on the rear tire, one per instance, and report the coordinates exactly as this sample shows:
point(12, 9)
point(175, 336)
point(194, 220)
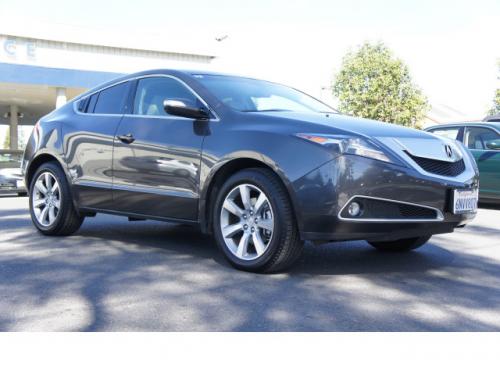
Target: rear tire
point(49, 191)
point(260, 233)
point(398, 246)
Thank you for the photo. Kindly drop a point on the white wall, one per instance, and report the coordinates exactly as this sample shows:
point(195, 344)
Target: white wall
point(20, 50)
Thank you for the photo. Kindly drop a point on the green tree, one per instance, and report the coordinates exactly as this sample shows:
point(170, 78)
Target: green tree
point(496, 100)
point(374, 84)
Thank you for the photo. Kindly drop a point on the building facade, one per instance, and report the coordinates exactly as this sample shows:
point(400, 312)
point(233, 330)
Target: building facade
point(41, 70)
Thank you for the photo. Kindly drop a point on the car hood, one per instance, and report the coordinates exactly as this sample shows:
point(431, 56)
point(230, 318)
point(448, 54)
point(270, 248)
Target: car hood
point(404, 141)
point(333, 123)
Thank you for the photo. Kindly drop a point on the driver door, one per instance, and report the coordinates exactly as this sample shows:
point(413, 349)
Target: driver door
point(156, 156)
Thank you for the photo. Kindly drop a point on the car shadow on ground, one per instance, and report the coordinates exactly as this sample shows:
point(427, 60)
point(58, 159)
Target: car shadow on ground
point(164, 268)
point(341, 258)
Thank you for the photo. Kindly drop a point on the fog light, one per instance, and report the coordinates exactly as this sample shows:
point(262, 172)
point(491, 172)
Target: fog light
point(354, 209)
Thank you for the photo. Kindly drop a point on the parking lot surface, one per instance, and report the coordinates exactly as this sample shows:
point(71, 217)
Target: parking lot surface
point(115, 275)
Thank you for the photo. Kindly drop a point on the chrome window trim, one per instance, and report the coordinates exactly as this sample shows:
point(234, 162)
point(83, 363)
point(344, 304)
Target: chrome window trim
point(166, 117)
point(439, 214)
point(486, 150)
point(466, 137)
point(98, 114)
point(85, 96)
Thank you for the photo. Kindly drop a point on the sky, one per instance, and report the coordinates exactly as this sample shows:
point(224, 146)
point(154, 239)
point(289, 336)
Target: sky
point(451, 47)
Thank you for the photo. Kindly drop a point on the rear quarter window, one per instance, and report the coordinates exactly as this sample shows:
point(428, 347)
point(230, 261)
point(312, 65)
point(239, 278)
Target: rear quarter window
point(112, 100)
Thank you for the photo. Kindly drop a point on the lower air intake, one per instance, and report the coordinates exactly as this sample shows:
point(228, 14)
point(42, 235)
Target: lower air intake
point(380, 209)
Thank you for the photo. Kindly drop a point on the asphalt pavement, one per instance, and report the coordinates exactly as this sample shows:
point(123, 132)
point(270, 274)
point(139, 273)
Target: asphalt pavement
point(115, 275)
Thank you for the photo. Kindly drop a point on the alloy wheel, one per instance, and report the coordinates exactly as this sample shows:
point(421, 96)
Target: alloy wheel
point(46, 199)
point(247, 222)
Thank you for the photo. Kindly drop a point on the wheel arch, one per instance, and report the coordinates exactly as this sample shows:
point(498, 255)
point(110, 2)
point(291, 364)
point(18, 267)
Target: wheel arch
point(219, 175)
point(37, 161)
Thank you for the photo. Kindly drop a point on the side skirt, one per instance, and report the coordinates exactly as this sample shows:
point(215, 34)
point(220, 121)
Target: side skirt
point(89, 211)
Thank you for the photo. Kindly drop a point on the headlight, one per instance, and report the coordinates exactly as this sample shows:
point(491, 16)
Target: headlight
point(350, 145)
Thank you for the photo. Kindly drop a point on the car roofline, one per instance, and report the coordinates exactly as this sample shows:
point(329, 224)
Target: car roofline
point(466, 123)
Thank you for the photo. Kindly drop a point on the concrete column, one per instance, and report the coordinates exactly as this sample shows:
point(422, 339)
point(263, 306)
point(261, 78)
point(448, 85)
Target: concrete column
point(14, 122)
point(60, 96)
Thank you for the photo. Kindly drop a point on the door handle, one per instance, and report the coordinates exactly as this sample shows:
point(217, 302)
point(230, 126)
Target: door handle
point(126, 138)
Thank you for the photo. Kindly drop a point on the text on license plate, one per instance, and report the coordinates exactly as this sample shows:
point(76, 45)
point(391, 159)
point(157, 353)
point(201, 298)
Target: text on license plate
point(465, 201)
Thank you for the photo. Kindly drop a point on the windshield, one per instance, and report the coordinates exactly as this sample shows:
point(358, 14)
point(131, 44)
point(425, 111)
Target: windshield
point(252, 95)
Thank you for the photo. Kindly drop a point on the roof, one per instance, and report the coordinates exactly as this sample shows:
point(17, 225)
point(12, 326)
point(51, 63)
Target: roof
point(174, 72)
point(495, 125)
point(123, 77)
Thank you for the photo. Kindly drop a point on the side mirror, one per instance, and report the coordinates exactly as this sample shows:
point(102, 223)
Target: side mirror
point(179, 108)
point(494, 144)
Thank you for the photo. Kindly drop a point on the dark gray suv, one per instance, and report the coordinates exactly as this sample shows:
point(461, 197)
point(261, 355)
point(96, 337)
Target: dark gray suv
point(260, 165)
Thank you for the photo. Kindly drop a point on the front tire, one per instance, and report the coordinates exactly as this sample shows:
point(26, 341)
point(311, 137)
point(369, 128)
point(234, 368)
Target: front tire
point(254, 224)
point(51, 206)
point(399, 246)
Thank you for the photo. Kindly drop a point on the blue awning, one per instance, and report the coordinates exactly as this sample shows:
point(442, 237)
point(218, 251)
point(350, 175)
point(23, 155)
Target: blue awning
point(58, 77)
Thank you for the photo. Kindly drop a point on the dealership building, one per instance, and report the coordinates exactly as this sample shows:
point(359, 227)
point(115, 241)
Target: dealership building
point(42, 68)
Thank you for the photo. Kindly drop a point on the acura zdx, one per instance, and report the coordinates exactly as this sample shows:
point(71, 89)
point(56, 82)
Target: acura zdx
point(261, 166)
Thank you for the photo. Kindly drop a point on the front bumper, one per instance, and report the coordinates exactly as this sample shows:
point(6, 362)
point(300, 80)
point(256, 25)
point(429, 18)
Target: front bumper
point(322, 194)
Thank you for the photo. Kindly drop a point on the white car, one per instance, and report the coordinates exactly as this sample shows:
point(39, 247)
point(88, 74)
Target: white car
point(11, 178)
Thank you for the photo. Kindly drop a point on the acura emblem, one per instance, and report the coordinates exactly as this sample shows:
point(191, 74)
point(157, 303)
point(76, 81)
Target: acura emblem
point(448, 150)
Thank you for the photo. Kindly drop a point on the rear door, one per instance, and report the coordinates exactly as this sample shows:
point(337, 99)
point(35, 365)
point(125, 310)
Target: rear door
point(157, 156)
point(89, 144)
point(488, 161)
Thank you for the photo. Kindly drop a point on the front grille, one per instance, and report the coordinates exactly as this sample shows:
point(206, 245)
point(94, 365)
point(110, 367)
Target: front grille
point(408, 211)
point(378, 209)
point(439, 167)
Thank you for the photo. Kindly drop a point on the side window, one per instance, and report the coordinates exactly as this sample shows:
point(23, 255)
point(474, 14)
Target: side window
point(476, 138)
point(82, 105)
point(91, 103)
point(111, 100)
point(451, 133)
point(152, 92)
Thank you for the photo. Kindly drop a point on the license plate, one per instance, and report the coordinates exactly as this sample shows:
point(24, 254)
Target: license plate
point(465, 201)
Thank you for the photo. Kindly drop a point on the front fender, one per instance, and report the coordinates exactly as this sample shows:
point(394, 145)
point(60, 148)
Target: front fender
point(286, 155)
